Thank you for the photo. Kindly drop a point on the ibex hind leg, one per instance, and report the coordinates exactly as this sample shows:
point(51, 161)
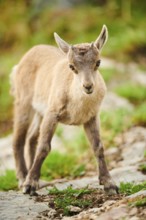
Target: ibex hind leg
point(32, 139)
point(21, 123)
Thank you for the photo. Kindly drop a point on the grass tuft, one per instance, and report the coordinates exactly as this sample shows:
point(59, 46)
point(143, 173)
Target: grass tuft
point(68, 197)
point(140, 202)
point(142, 168)
point(8, 181)
point(59, 165)
point(131, 188)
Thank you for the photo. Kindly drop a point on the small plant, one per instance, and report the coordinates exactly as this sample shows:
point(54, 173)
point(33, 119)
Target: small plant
point(135, 93)
point(140, 202)
point(68, 197)
point(8, 181)
point(59, 165)
point(142, 168)
point(131, 188)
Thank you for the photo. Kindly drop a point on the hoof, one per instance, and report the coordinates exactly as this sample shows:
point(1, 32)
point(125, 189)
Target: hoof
point(31, 190)
point(26, 189)
point(111, 190)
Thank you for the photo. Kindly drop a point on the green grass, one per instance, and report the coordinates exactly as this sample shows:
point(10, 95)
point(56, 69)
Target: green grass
point(139, 115)
point(108, 73)
point(113, 123)
point(55, 166)
point(134, 93)
point(131, 188)
point(59, 165)
point(8, 181)
point(70, 196)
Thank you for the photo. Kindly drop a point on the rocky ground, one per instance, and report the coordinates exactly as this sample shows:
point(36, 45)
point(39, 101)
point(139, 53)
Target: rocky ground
point(124, 165)
point(15, 205)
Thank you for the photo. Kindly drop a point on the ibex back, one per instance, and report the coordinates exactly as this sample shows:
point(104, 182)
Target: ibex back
point(53, 85)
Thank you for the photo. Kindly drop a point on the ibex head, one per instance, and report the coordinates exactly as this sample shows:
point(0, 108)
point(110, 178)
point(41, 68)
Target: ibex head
point(84, 59)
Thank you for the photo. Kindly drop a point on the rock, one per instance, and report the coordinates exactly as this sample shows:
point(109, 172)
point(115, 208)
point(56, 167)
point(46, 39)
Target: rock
point(139, 77)
point(51, 213)
point(134, 218)
point(133, 211)
point(113, 101)
point(141, 193)
point(73, 209)
point(15, 205)
point(133, 153)
point(91, 182)
point(127, 174)
point(133, 146)
point(135, 134)
point(111, 151)
point(115, 213)
point(109, 203)
point(6, 156)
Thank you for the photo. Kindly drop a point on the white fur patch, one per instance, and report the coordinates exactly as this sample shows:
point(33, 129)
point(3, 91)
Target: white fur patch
point(40, 107)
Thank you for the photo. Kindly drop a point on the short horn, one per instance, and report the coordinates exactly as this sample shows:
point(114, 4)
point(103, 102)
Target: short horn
point(92, 45)
point(72, 47)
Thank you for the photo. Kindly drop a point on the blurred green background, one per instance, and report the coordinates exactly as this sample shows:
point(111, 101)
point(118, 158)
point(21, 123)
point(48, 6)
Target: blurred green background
point(25, 23)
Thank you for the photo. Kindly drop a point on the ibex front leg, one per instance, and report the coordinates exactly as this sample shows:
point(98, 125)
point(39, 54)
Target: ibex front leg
point(92, 131)
point(47, 129)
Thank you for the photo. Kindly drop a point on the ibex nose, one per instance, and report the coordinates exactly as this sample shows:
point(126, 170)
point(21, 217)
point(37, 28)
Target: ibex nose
point(88, 88)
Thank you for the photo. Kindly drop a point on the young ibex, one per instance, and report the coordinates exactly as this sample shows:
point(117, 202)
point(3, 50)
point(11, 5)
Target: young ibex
point(52, 86)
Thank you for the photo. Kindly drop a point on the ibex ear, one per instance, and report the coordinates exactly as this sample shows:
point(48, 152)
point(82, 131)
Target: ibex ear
point(64, 46)
point(101, 40)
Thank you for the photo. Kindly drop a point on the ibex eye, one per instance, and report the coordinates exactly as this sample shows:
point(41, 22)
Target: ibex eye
point(98, 63)
point(71, 67)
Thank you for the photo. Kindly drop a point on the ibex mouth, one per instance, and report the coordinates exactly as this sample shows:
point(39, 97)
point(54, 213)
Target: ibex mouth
point(88, 92)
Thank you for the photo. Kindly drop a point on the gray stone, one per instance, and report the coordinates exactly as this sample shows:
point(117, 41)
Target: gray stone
point(73, 209)
point(91, 182)
point(115, 213)
point(138, 194)
point(15, 205)
point(6, 156)
point(113, 101)
point(139, 77)
point(127, 174)
point(133, 153)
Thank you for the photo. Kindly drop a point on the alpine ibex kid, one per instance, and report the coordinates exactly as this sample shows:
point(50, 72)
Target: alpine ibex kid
point(52, 85)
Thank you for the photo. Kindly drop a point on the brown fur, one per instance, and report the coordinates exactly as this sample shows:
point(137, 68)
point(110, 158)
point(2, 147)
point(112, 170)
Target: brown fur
point(52, 86)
